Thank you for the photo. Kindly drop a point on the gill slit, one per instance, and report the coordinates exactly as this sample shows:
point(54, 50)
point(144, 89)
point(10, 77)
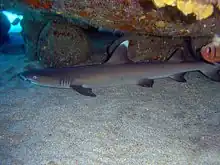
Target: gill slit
point(65, 81)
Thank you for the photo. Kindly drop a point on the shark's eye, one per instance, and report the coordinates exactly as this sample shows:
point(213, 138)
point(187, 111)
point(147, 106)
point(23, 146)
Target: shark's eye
point(34, 77)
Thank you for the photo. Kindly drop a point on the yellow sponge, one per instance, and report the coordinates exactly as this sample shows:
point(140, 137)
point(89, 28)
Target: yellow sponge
point(159, 3)
point(201, 11)
point(170, 2)
point(185, 6)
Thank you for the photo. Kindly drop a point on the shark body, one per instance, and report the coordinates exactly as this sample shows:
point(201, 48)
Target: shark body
point(118, 70)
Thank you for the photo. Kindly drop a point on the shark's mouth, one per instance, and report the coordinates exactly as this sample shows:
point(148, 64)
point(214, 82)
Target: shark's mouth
point(28, 80)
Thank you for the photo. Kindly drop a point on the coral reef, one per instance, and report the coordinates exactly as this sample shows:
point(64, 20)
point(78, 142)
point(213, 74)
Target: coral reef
point(30, 33)
point(200, 10)
point(46, 4)
point(151, 23)
point(158, 17)
point(62, 45)
point(4, 28)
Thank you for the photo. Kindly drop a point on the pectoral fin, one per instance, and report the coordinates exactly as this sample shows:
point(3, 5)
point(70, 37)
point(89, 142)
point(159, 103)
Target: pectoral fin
point(178, 77)
point(83, 91)
point(146, 83)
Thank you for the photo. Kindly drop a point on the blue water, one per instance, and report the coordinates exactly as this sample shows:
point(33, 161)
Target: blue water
point(11, 17)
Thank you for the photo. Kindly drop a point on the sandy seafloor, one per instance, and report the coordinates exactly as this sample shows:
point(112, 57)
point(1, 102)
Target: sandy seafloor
point(172, 123)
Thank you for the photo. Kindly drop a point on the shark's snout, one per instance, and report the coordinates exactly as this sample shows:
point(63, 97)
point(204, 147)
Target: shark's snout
point(25, 77)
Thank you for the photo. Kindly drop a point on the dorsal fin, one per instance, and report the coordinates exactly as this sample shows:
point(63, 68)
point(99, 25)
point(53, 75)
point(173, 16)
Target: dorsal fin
point(120, 55)
point(177, 56)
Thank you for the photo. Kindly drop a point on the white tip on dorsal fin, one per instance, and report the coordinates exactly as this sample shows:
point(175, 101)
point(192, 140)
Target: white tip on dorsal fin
point(125, 43)
point(120, 55)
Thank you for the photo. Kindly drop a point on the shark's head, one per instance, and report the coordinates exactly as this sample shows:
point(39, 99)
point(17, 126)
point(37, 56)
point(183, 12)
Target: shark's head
point(40, 77)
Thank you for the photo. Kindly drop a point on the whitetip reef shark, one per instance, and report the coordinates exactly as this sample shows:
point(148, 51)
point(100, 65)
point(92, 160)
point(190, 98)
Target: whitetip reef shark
point(118, 70)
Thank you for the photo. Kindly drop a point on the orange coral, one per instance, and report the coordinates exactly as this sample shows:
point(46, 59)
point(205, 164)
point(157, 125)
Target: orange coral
point(126, 27)
point(84, 14)
point(38, 4)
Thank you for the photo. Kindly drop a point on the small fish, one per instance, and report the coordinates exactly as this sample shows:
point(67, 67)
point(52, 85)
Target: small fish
point(118, 70)
point(211, 52)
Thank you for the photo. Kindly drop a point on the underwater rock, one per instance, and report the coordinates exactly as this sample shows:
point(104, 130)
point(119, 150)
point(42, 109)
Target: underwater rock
point(4, 28)
point(57, 44)
point(30, 33)
point(62, 45)
point(150, 48)
point(180, 18)
point(14, 46)
point(147, 48)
